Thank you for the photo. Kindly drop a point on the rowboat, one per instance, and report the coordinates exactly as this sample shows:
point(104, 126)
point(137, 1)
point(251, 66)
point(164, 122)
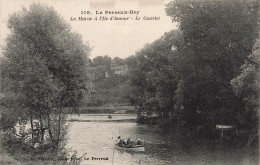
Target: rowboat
point(137, 148)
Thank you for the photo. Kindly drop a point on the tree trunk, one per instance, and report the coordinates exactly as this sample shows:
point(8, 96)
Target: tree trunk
point(49, 128)
point(59, 129)
point(42, 130)
point(31, 120)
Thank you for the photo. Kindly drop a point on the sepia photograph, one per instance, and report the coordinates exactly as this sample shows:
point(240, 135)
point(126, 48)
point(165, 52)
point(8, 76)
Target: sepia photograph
point(129, 82)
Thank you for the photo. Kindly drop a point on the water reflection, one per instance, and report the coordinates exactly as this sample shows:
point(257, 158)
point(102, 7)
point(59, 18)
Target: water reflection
point(96, 140)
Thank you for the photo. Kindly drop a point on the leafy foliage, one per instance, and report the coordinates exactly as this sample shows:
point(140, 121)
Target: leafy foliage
point(202, 74)
point(246, 86)
point(154, 76)
point(218, 37)
point(45, 68)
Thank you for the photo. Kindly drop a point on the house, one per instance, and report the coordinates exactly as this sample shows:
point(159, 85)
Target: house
point(120, 70)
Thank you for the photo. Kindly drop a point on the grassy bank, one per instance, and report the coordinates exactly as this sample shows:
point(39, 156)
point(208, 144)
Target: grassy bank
point(107, 110)
point(18, 153)
point(6, 159)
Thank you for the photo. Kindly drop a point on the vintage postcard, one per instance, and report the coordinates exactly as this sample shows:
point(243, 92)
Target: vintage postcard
point(125, 82)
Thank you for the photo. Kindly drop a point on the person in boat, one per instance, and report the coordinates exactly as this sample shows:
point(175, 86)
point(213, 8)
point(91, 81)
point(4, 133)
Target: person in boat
point(139, 142)
point(119, 141)
point(128, 142)
point(131, 143)
point(124, 143)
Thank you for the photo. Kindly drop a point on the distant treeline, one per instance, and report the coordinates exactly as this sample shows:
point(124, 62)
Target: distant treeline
point(107, 61)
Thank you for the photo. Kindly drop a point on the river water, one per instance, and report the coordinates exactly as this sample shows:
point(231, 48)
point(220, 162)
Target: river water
point(92, 137)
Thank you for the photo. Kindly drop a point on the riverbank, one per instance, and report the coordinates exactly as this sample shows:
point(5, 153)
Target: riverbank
point(124, 121)
point(124, 118)
point(6, 159)
point(109, 109)
point(18, 153)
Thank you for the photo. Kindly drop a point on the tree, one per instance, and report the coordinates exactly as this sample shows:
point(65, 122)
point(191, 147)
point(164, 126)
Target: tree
point(246, 86)
point(107, 61)
point(89, 62)
point(100, 60)
point(118, 61)
point(45, 69)
point(153, 77)
point(217, 37)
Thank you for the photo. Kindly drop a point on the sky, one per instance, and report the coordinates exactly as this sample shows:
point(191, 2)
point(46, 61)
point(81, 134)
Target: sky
point(112, 37)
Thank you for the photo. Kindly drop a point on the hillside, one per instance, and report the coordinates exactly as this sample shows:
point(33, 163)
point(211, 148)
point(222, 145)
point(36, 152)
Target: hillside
point(108, 79)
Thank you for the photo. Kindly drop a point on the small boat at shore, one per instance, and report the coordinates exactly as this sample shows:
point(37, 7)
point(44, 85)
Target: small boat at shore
point(137, 148)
